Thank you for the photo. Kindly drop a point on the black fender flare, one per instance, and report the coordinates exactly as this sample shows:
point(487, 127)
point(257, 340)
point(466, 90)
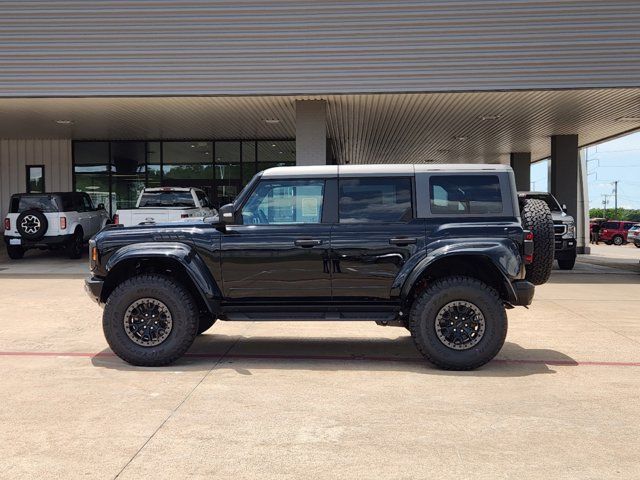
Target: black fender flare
point(177, 253)
point(503, 254)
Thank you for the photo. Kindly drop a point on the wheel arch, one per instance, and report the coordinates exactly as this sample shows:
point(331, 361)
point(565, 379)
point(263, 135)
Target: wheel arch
point(480, 265)
point(178, 261)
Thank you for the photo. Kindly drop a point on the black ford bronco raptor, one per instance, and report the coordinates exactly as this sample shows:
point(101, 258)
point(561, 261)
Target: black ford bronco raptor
point(442, 250)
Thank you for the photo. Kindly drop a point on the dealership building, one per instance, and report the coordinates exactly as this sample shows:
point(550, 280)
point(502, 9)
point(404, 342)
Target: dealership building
point(106, 97)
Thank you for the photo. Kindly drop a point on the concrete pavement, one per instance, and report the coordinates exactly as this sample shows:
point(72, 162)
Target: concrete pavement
point(324, 400)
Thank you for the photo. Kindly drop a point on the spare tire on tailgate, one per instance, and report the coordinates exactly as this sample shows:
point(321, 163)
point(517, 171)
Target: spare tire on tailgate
point(536, 217)
point(32, 224)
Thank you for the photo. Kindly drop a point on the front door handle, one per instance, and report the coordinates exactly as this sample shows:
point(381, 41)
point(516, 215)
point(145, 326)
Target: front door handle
point(307, 242)
point(402, 241)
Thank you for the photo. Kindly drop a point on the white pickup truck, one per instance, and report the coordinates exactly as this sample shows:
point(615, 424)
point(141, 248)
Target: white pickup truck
point(166, 204)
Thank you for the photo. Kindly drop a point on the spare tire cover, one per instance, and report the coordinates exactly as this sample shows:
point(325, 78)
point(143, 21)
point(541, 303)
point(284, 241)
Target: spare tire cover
point(537, 218)
point(32, 224)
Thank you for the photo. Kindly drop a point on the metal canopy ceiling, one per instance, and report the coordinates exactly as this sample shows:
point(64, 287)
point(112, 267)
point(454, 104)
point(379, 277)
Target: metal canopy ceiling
point(390, 128)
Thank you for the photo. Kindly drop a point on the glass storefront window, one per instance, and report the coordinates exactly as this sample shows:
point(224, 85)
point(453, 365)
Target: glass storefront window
point(228, 172)
point(276, 153)
point(91, 171)
point(113, 173)
point(128, 173)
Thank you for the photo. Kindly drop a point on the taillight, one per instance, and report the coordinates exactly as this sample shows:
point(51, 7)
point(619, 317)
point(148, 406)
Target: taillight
point(7, 224)
point(184, 215)
point(528, 247)
point(116, 219)
point(63, 223)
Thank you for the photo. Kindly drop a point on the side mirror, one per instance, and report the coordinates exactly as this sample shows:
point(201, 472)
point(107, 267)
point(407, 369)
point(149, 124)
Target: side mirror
point(227, 214)
point(564, 207)
point(101, 206)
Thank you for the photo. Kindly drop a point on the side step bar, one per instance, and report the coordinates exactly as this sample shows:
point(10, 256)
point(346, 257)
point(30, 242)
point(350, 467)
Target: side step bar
point(381, 318)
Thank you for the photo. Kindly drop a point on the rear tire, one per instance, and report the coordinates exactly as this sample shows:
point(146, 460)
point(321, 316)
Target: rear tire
point(181, 308)
point(537, 218)
point(618, 240)
point(567, 263)
point(75, 245)
point(15, 252)
point(427, 327)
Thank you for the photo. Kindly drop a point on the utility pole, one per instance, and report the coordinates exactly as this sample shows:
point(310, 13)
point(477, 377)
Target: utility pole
point(615, 193)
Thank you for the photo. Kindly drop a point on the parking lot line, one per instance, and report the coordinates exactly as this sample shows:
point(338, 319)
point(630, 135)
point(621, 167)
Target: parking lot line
point(342, 358)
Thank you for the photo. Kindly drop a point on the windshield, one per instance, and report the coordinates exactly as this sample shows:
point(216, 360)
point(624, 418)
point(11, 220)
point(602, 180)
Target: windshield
point(167, 199)
point(44, 203)
point(549, 199)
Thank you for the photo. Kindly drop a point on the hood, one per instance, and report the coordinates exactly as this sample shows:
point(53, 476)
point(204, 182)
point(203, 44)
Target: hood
point(561, 217)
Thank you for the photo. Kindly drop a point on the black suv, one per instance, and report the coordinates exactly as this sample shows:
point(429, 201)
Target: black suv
point(440, 250)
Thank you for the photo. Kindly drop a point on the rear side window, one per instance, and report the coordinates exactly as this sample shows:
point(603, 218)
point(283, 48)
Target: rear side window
point(44, 203)
point(611, 225)
point(375, 200)
point(627, 226)
point(465, 194)
point(203, 199)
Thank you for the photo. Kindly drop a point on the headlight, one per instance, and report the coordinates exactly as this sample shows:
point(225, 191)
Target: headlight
point(571, 230)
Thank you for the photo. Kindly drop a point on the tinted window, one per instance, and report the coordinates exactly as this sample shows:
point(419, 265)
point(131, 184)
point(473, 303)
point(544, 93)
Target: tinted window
point(284, 202)
point(465, 194)
point(167, 199)
point(627, 226)
point(379, 200)
point(611, 225)
point(44, 203)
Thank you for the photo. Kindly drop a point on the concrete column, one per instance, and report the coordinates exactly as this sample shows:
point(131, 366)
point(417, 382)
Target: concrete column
point(521, 164)
point(311, 132)
point(567, 183)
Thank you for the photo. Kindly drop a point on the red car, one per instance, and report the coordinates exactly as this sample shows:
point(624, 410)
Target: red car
point(615, 232)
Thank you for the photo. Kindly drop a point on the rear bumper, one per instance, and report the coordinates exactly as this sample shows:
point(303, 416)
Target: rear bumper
point(58, 240)
point(524, 291)
point(93, 287)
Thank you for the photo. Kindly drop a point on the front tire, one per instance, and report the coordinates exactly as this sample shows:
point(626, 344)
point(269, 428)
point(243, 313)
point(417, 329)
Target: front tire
point(130, 317)
point(567, 263)
point(15, 252)
point(458, 323)
point(637, 244)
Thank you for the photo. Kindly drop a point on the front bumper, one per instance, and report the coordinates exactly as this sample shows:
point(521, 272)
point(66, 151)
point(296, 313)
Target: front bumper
point(44, 242)
point(524, 291)
point(93, 287)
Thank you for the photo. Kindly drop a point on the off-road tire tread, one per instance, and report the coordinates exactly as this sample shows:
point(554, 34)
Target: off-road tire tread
point(536, 217)
point(498, 316)
point(152, 356)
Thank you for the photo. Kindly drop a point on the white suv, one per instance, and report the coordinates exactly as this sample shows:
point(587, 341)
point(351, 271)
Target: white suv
point(51, 220)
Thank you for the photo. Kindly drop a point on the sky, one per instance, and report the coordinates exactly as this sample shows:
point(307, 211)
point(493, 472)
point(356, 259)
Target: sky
point(617, 159)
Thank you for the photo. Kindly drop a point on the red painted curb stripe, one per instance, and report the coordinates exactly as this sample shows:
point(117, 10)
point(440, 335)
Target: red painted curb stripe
point(329, 358)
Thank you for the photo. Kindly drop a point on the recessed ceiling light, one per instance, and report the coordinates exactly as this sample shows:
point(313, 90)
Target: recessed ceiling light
point(489, 117)
point(271, 121)
point(273, 144)
point(64, 122)
point(628, 119)
point(444, 150)
point(460, 138)
point(193, 146)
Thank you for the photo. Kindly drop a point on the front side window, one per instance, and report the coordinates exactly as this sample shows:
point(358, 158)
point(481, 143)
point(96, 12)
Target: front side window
point(276, 202)
point(375, 200)
point(465, 194)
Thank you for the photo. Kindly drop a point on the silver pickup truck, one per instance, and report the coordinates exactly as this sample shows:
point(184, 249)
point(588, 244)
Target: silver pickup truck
point(166, 204)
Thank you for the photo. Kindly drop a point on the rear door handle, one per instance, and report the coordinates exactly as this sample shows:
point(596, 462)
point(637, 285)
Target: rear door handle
point(307, 242)
point(403, 241)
